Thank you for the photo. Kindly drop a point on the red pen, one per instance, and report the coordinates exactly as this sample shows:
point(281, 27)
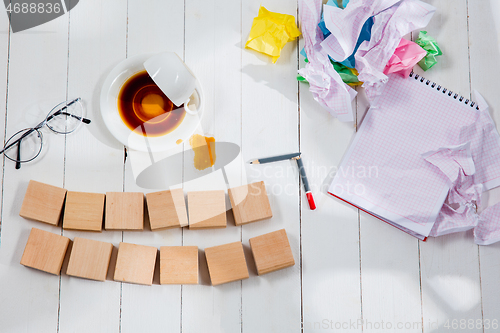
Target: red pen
point(302, 171)
point(303, 176)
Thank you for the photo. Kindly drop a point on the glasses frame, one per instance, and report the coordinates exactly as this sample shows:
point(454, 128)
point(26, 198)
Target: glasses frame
point(37, 128)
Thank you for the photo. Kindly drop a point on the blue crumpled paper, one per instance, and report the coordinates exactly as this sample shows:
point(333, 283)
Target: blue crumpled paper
point(366, 33)
point(363, 36)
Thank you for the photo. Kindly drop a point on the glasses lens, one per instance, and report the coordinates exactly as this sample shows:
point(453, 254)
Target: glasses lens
point(65, 117)
point(24, 146)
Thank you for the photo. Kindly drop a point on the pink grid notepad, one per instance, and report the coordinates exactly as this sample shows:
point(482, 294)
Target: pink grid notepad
point(384, 173)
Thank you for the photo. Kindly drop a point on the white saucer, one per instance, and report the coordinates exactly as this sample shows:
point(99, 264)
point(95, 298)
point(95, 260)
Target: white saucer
point(109, 110)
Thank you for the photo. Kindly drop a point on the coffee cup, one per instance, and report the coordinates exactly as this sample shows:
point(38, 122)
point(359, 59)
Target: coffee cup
point(174, 79)
point(139, 134)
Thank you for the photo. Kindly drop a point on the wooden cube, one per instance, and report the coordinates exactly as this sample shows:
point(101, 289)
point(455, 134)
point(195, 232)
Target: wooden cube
point(83, 211)
point(271, 252)
point(124, 211)
point(135, 263)
point(250, 203)
point(89, 259)
point(45, 251)
point(167, 209)
point(226, 263)
point(43, 203)
point(207, 209)
point(179, 265)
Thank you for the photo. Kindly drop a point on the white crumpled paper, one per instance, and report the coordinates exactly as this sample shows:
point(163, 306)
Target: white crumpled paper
point(345, 25)
point(388, 28)
point(471, 168)
point(459, 210)
point(392, 20)
point(325, 83)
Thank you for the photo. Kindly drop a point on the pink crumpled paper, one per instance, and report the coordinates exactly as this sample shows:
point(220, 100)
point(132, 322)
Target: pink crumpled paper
point(388, 29)
point(406, 55)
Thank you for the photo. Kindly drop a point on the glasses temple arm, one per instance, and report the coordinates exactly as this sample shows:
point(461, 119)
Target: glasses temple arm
point(18, 162)
point(59, 111)
point(83, 120)
point(18, 140)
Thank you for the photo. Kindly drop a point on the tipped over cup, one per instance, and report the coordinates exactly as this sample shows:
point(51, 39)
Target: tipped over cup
point(174, 79)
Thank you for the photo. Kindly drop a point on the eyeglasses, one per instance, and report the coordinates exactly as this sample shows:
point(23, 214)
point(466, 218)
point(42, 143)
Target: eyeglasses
point(27, 144)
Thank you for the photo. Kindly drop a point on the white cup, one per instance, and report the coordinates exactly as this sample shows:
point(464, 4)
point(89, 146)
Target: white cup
point(175, 79)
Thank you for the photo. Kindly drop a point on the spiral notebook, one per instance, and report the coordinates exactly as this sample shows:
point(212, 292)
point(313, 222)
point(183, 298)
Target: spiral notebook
point(384, 172)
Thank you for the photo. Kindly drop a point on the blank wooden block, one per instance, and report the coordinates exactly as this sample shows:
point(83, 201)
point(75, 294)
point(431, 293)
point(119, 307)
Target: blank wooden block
point(83, 211)
point(124, 211)
point(271, 252)
point(167, 209)
point(207, 209)
point(43, 203)
point(45, 251)
point(89, 259)
point(179, 265)
point(250, 203)
point(135, 263)
point(226, 263)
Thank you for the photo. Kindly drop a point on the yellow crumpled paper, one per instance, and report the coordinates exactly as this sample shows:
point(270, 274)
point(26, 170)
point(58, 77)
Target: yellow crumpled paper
point(271, 31)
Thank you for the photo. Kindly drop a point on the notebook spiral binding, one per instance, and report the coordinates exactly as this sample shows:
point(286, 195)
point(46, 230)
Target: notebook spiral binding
point(444, 90)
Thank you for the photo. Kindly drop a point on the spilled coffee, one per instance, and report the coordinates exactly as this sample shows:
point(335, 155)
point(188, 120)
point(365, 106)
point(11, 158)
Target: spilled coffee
point(145, 109)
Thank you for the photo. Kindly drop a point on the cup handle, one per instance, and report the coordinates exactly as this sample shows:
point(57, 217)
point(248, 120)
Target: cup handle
point(186, 104)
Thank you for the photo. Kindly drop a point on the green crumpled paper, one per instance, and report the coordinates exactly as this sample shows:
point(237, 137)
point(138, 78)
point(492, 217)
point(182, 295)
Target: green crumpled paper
point(271, 31)
point(430, 45)
point(348, 75)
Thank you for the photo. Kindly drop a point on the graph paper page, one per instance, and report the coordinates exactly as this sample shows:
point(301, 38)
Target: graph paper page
point(383, 171)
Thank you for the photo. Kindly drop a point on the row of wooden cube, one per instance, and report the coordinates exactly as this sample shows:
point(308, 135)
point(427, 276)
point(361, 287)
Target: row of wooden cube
point(136, 263)
point(125, 210)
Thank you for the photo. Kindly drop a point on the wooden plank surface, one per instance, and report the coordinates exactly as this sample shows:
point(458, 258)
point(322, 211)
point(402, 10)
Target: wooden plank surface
point(348, 265)
point(37, 81)
point(153, 26)
point(4, 66)
point(270, 127)
point(484, 41)
point(94, 161)
point(390, 288)
point(449, 264)
point(331, 281)
point(213, 52)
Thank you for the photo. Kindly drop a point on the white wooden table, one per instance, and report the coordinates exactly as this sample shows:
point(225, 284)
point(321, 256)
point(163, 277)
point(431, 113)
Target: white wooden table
point(349, 267)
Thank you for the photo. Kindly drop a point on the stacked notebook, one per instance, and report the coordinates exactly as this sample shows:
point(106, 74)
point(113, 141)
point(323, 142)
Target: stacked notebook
point(385, 171)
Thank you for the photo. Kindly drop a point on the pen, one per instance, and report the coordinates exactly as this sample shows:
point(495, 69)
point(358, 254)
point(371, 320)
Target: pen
point(302, 171)
point(275, 158)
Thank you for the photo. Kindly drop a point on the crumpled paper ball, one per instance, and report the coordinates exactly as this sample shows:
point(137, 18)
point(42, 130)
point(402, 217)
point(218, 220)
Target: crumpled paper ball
point(431, 46)
point(406, 55)
point(270, 32)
